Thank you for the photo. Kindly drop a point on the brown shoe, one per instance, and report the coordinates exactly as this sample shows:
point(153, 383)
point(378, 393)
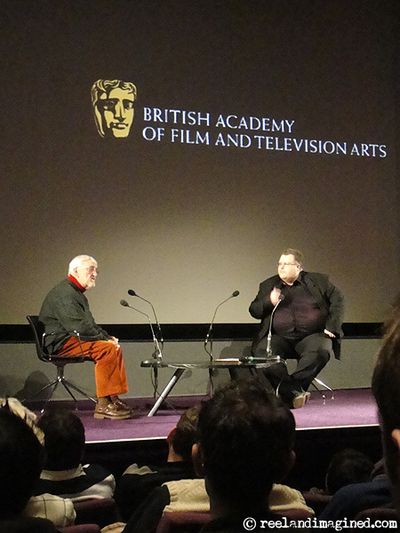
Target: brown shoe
point(300, 400)
point(124, 406)
point(111, 411)
point(120, 404)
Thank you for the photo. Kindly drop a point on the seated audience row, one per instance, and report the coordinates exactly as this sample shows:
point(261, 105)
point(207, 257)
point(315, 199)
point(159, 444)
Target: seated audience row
point(138, 481)
point(226, 458)
point(244, 446)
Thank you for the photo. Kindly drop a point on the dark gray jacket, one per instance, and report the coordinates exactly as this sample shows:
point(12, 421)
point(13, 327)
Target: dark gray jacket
point(65, 311)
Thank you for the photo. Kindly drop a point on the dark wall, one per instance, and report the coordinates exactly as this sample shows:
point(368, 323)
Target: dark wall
point(208, 208)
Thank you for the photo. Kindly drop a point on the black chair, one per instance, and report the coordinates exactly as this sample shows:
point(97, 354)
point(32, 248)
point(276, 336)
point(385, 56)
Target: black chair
point(58, 361)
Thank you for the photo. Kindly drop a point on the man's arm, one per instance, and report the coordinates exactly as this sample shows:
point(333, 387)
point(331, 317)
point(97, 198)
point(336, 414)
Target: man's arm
point(336, 309)
point(262, 306)
point(330, 297)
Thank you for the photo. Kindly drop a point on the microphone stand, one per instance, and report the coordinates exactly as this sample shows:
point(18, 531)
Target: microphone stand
point(209, 339)
point(131, 292)
point(157, 355)
point(269, 337)
point(269, 357)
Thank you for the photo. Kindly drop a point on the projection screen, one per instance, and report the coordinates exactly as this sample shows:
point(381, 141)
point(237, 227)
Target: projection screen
point(237, 128)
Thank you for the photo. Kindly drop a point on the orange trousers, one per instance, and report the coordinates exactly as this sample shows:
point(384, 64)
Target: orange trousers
point(110, 372)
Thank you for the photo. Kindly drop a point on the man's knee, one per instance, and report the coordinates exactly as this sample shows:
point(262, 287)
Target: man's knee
point(318, 357)
point(316, 347)
point(323, 356)
point(106, 350)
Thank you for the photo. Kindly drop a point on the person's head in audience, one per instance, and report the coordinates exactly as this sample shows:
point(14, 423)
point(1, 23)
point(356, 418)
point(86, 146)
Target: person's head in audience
point(386, 389)
point(246, 439)
point(21, 461)
point(183, 436)
point(346, 467)
point(64, 439)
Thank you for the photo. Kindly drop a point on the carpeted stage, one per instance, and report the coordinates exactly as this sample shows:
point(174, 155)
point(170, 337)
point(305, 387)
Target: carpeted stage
point(323, 427)
point(352, 408)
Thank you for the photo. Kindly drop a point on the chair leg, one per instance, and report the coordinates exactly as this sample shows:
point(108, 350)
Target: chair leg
point(53, 385)
point(65, 384)
point(316, 382)
point(68, 384)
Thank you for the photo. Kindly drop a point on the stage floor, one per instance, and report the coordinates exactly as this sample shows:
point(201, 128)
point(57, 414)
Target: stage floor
point(350, 408)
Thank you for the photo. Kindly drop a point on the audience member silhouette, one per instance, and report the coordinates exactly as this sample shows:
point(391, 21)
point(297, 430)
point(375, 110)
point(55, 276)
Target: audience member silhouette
point(246, 440)
point(64, 474)
point(386, 387)
point(346, 466)
point(137, 482)
point(245, 445)
point(382, 490)
point(20, 466)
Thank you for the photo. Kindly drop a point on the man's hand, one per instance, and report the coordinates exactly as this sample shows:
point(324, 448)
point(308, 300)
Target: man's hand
point(274, 296)
point(329, 333)
point(114, 340)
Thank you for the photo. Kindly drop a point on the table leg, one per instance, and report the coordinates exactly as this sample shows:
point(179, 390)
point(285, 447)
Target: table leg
point(167, 389)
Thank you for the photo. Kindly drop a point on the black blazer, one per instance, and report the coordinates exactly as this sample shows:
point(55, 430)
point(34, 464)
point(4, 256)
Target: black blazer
point(328, 297)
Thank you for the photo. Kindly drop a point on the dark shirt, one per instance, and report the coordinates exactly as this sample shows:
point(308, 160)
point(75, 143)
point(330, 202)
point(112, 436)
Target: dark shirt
point(147, 515)
point(299, 314)
point(348, 501)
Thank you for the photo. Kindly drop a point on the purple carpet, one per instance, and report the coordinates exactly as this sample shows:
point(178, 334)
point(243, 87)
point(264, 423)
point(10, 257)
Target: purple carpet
point(349, 408)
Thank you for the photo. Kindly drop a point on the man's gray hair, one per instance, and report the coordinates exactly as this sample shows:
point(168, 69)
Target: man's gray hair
point(78, 261)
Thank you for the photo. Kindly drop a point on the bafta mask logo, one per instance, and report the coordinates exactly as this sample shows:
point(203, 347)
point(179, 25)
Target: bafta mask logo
point(113, 102)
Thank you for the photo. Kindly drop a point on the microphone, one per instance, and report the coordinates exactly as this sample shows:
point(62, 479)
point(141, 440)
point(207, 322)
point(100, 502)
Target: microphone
point(209, 352)
point(269, 337)
point(157, 353)
point(131, 292)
